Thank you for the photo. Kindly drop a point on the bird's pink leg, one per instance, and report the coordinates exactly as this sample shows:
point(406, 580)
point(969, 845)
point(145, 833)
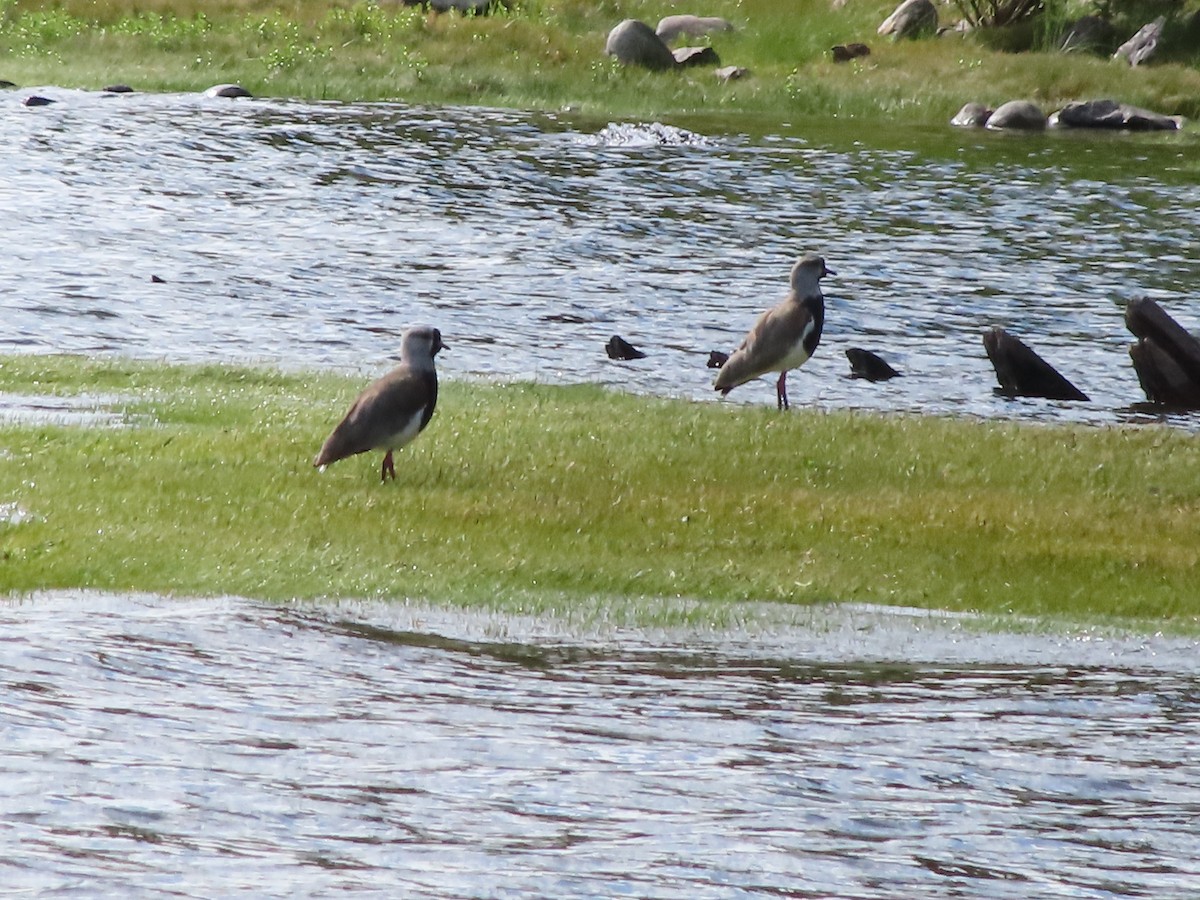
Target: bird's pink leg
point(388, 467)
point(781, 398)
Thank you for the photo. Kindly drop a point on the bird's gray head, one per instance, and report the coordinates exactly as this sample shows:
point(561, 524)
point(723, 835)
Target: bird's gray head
point(807, 273)
point(420, 344)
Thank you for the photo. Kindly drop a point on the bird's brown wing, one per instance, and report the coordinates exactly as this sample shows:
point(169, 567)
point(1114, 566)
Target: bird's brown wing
point(380, 412)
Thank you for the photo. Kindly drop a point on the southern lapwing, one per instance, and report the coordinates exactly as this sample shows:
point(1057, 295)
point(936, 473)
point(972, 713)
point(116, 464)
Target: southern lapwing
point(393, 409)
point(783, 338)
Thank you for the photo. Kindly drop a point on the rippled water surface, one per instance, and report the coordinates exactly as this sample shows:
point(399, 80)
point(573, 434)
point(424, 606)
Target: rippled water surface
point(310, 234)
point(206, 749)
point(171, 748)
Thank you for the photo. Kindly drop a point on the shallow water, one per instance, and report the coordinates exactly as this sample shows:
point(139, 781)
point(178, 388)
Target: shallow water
point(173, 748)
point(310, 234)
point(199, 749)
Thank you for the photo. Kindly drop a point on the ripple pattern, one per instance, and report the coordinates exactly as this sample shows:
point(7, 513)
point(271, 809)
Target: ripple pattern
point(311, 234)
point(165, 748)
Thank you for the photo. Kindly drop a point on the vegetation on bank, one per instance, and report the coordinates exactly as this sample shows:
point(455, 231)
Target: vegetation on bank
point(548, 54)
point(525, 497)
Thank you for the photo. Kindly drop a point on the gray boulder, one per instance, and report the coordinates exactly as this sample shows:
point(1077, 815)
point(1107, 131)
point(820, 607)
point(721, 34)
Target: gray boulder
point(1018, 115)
point(912, 18)
point(634, 43)
point(972, 115)
point(696, 56)
point(672, 27)
point(725, 74)
point(1111, 114)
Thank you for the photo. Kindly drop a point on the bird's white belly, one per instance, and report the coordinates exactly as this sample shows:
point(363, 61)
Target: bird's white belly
point(402, 436)
point(796, 355)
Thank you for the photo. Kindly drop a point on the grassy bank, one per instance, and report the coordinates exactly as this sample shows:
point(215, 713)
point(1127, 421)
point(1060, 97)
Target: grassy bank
point(548, 54)
point(529, 496)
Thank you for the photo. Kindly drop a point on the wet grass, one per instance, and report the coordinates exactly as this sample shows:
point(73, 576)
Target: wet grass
point(526, 497)
point(548, 54)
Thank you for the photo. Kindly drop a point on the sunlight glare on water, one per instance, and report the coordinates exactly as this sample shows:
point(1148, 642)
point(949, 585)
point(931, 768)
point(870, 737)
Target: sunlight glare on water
point(155, 747)
point(310, 234)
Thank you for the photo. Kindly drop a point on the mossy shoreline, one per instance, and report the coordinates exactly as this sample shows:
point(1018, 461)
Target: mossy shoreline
point(548, 55)
point(527, 497)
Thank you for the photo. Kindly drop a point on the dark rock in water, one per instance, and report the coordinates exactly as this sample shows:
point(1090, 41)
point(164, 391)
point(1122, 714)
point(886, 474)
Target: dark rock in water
point(671, 27)
point(972, 115)
point(1111, 114)
point(696, 56)
point(717, 358)
point(619, 348)
point(227, 90)
point(1022, 373)
point(634, 43)
point(1166, 357)
point(1019, 115)
point(868, 365)
point(847, 52)
point(154, 279)
point(1162, 379)
point(36, 100)
point(5, 84)
point(117, 89)
point(911, 19)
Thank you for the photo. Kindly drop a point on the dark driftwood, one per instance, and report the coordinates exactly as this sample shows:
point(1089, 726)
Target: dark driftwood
point(868, 365)
point(1166, 357)
point(1161, 378)
point(619, 348)
point(1022, 373)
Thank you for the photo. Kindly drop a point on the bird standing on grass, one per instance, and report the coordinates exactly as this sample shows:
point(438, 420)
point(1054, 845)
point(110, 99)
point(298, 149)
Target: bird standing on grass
point(783, 338)
point(394, 409)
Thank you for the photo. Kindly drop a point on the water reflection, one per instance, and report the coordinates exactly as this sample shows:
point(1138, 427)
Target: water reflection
point(310, 234)
point(200, 749)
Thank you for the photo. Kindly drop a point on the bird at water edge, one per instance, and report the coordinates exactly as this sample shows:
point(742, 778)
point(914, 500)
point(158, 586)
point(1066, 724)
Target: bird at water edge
point(393, 409)
point(783, 338)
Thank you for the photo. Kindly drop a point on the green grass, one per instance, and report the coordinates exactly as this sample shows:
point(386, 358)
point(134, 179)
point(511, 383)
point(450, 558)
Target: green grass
point(548, 54)
point(524, 497)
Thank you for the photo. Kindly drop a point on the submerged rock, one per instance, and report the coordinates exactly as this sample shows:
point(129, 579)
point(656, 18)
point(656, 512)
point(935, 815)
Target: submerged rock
point(1022, 373)
point(868, 365)
point(227, 90)
point(619, 348)
point(1111, 114)
point(972, 115)
point(1018, 115)
point(1166, 357)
